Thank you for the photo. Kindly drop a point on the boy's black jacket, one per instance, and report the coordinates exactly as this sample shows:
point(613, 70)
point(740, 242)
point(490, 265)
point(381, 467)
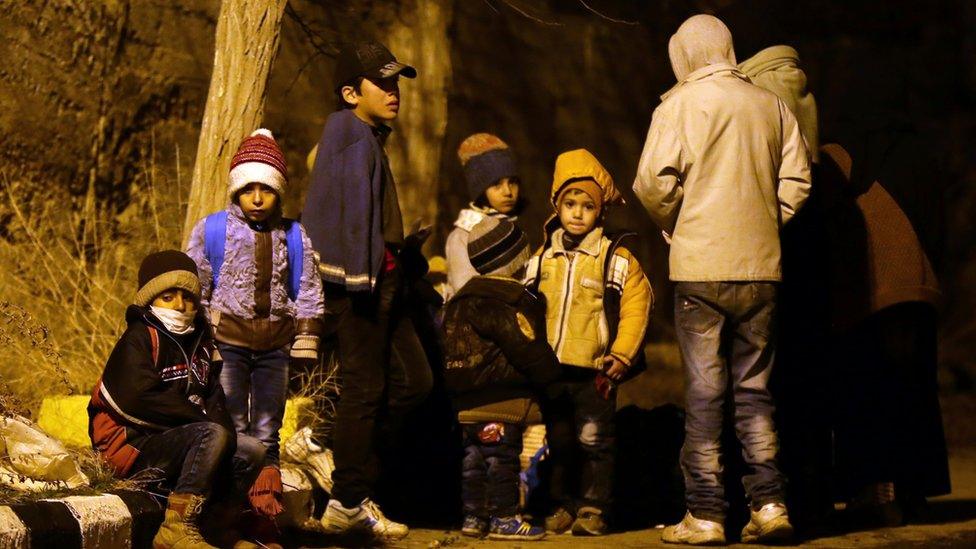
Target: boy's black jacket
point(142, 393)
point(495, 344)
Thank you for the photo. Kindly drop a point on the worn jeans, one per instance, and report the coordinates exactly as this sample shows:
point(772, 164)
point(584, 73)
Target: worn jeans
point(192, 458)
point(384, 374)
point(725, 333)
point(490, 472)
point(581, 436)
point(256, 387)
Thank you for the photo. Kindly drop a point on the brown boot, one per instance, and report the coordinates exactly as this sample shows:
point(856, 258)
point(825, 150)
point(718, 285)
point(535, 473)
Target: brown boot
point(179, 528)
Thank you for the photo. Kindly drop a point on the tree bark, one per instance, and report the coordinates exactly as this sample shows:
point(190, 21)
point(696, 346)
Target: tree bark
point(419, 37)
point(245, 48)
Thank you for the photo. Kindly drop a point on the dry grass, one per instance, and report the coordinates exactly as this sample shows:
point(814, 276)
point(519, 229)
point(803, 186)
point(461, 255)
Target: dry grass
point(100, 477)
point(321, 384)
point(68, 274)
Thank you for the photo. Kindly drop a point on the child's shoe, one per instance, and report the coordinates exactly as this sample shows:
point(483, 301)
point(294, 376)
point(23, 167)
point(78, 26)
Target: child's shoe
point(589, 522)
point(693, 531)
point(514, 528)
point(770, 524)
point(365, 516)
point(559, 522)
point(475, 527)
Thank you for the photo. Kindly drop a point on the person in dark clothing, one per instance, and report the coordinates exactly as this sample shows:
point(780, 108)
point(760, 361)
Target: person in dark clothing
point(498, 361)
point(891, 449)
point(353, 219)
point(158, 408)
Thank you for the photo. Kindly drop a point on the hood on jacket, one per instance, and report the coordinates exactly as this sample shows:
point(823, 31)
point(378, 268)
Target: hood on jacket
point(700, 41)
point(581, 164)
point(777, 69)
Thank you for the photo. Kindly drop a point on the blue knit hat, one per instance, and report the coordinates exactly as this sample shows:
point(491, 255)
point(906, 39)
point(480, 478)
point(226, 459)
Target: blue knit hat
point(486, 159)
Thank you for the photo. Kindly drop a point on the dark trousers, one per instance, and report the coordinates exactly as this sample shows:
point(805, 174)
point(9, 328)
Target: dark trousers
point(256, 387)
point(194, 458)
point(490, 471)
point(724, 330)
point(889, 427)
point(581, 437)
point(384, 374)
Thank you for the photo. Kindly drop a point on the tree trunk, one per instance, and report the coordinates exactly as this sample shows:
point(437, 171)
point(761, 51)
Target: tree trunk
point(419, 37)
point(244, 51)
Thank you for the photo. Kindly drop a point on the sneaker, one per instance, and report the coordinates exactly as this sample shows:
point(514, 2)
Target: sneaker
point(559, 522)
point(693, 531)
point(365, 516)
point(769, 524)
point(475, 527)
point(514, 528)
point(589, 522)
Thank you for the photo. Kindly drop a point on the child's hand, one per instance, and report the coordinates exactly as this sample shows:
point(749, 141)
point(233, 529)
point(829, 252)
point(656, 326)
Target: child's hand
point(614, 368)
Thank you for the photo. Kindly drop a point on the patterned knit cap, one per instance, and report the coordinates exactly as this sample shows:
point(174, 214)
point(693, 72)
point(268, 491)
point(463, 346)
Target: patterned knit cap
point(486, 159)
point(496, 246)
point(258, 160)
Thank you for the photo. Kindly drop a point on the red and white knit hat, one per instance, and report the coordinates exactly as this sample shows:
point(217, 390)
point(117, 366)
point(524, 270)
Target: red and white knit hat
point(258, 160)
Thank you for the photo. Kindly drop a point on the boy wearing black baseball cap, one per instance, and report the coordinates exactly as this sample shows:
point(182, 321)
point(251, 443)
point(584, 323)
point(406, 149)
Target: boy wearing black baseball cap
point(353, 219)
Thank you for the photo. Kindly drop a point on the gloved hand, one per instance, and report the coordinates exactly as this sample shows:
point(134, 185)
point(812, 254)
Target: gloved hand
point(305, 347)
point(265, 493)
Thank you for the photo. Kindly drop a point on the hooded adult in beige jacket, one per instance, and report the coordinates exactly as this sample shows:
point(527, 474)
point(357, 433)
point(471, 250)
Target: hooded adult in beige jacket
point(777, 69)
point(724, 164)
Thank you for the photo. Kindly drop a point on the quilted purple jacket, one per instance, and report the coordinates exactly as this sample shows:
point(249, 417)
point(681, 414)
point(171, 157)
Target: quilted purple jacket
point(235, 291)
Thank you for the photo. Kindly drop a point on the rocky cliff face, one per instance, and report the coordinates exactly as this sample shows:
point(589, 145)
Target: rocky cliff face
point(92, 91)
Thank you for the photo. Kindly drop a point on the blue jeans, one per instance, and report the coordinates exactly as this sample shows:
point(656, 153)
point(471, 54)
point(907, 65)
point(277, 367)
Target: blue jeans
point(256, 387)
point(490, 472)
point(582, 441)
point(725, 333)
point(193, 458)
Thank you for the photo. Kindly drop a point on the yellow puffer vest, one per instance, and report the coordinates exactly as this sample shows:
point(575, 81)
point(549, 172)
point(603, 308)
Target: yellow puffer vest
point(573, 286)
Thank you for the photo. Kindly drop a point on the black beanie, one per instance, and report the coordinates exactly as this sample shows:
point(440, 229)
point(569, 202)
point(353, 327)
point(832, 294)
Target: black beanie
point(163, 270)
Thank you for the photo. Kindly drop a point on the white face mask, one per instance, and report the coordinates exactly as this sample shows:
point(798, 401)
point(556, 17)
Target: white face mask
point(175, 321)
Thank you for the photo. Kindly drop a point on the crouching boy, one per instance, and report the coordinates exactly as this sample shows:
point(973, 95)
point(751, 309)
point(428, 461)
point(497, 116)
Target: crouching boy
point(158, 408)
point(597, 305)
point(498, 360)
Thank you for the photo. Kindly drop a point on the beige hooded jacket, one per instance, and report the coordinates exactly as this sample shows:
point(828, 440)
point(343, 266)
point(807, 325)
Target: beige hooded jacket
point(724, 164)
point(777, 69)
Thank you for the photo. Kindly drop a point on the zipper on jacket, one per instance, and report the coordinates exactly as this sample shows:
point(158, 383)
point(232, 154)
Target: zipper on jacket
point(189, 365)
point(566, 302)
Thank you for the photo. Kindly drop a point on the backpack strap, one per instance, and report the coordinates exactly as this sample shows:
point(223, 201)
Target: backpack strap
point(154, 341)
point(296, 256)
point(614, 278)
point(611, 280)
point(214, 240)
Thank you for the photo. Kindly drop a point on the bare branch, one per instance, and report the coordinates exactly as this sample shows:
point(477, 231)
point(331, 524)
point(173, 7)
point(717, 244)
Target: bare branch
point(527, 15)
point(608, 18)
point(322, 45)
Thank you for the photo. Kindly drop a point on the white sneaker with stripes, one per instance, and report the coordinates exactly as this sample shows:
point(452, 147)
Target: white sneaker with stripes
point(365, 516)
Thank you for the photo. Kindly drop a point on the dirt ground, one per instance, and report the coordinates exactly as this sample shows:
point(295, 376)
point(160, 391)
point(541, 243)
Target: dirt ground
point(950, 521)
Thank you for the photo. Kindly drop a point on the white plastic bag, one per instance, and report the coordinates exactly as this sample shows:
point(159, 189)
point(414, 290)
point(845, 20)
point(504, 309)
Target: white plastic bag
point(32, 460)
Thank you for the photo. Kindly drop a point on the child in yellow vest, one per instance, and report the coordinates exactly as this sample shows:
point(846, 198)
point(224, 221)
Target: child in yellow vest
point(597, 307)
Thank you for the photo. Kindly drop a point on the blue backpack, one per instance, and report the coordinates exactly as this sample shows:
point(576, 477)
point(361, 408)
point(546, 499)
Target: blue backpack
point(215, 238)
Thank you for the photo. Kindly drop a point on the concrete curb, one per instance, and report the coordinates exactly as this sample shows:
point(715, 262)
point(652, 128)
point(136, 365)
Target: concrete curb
point(120, 520)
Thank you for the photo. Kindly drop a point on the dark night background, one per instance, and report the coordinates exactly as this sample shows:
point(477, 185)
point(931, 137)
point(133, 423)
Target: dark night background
point(108, 97)
point(95, 92)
